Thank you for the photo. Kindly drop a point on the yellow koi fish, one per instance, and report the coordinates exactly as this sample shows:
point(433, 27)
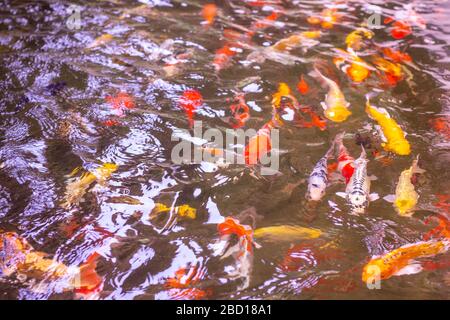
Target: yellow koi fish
point(286, 233)
point(184, 211)
point(335, 106)
point(100, 41)
point(355, 38)
point(401, 260)
point(296, 40)
point(405, 198)
point(391, 133)
point(76, 189)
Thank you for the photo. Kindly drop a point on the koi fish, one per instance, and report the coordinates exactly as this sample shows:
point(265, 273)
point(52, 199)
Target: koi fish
point(356, 68)
point(242, 251)
point(258, 146)
point(400, 29)
point(401, 261)
point(18, 256)
point(183, 211)
point(181, 285)
point(335, 106)
point(396, 56)
point(392, 71)
point(240, 111)
point(223, 57)
point(302, 86)
point(209, 13)
point(405, 198)
point(316, 120)
point(354, 39)
point(279, 51)
point(318, 179)
point(286, 233)
point(100, 41)
point(345, 160)
point(357, 191)
point(392, 134)
point(75, 190)
point(189, 102)
point(441, 125)
point(121, 102)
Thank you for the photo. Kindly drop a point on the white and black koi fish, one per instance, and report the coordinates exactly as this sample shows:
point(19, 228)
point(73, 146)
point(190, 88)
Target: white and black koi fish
point(358, 188)
point(318, 178)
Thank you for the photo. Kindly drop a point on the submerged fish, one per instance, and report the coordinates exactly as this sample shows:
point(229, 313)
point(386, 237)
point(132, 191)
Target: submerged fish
point(354, 39)
point(335, 106)
point(75, 190)
point(18, 256)
point(401, 260)
point(286, 233)
point(391, 133)
point(405, 198)
point(357, 191)
point(345, 160)
point(318, 179)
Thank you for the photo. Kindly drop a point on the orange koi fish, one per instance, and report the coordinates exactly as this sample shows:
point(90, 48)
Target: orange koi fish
point(209, 13)
point(223, 57)
point(392, 72)
point(400, 29)
point(232, 226)
point(357, 69)
point(18, 256)
point(302, 86)
point(401, 261)
point(316, 120)
point(258, 145)
point(121, 102)
point(442, 230)
point(396, 56)
point(189, 102)
point(181, 285)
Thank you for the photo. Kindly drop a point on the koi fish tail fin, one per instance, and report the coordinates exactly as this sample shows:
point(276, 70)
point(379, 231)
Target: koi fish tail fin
point(416, 168)
point(87, 280)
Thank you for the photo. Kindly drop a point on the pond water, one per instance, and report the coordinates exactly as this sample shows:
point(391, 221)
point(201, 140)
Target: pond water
point(91, 97)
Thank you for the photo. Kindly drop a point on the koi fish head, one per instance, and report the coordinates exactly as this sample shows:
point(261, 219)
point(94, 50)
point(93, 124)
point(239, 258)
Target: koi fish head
point(316, 191)
point(404, 206)
point(337, 113)
point(400, 147)
point(358, 202)
point(376, 269)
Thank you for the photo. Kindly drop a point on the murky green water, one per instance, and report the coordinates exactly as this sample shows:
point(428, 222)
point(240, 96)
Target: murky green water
point(55, 117)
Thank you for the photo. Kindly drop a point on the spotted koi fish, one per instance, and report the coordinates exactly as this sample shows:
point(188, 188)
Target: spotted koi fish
point(358, 188)
point(318, 178)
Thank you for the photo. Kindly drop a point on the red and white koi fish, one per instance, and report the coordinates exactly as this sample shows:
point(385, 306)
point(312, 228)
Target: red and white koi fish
point(345, 160)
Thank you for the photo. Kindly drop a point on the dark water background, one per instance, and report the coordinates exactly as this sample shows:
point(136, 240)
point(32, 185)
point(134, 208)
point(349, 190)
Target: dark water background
point(52, 113)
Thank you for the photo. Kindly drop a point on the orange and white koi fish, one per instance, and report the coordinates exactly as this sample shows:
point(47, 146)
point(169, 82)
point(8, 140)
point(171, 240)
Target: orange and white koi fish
point(405, 198)
point(181, 286)
point(401, 261)
point(335, 106)
point(316, 120)
point(18, 256)
point(345, 160)
point(392, 72)
point(189, 102)
point(396, 56)
point(357, 69)
point(242, 251)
